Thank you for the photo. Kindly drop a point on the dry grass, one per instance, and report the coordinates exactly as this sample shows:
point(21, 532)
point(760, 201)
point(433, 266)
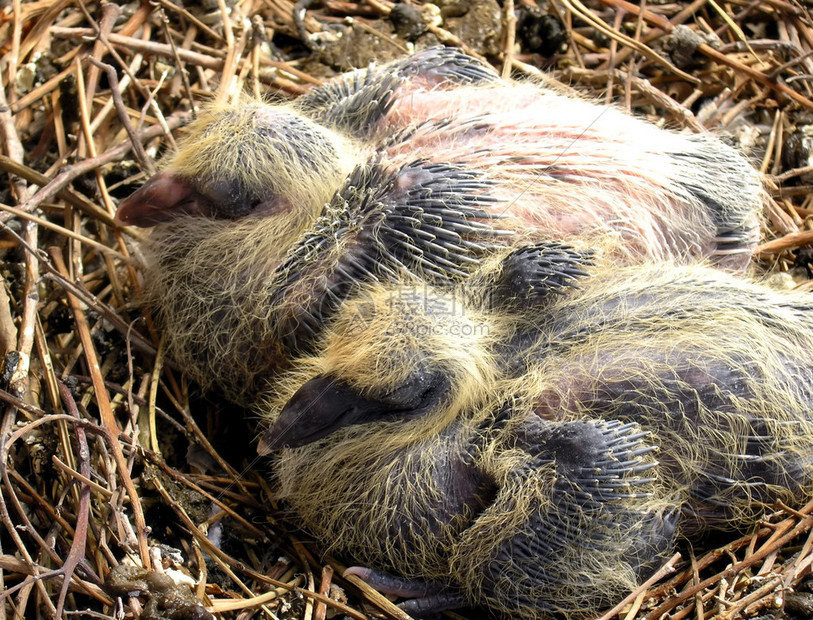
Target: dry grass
point(101, 453)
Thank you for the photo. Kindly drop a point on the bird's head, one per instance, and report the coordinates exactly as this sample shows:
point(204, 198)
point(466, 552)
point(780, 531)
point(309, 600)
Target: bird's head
point(395, 353)
point(249, 159)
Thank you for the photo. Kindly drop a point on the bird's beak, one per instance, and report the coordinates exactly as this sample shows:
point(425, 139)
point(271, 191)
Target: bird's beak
point(317, 409)
point(162, 198)
point(324, 405)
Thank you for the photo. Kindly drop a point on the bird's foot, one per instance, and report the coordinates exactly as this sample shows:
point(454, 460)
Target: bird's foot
point(425, 599)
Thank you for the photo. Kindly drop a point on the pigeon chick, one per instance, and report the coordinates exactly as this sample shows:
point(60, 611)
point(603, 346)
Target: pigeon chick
point(561, 165)
point(270, 216)
point(540, 456)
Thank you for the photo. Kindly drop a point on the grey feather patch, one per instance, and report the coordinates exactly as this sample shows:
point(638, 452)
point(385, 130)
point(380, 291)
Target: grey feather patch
point(357, 100)
point(355, 103)
point(446, 65)
point(594, 504)
point(335, 91)
point(425, 218)
point(533, 273)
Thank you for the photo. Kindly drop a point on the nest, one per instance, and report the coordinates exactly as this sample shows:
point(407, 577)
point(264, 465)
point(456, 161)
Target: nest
point(124, 491)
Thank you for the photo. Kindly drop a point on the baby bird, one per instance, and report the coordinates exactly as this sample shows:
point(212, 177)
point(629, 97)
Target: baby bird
point(270, 216)
point(541, 455)
point(656, 192)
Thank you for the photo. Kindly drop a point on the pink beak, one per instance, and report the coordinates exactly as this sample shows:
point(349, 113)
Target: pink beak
point(162, 198)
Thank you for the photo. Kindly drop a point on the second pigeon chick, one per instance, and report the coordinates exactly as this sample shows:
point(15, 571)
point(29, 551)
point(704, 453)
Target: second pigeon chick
point(506, 456)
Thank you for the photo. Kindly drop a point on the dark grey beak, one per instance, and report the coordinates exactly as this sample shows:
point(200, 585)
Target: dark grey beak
point(317, 409)
point(324, 405)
